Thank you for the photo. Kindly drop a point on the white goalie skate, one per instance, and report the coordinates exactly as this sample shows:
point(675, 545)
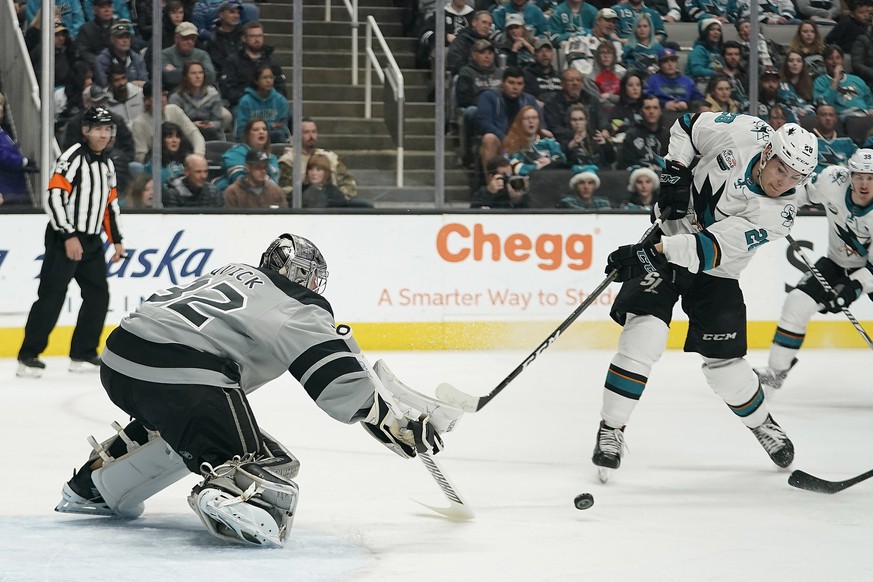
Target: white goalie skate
point(246, 502)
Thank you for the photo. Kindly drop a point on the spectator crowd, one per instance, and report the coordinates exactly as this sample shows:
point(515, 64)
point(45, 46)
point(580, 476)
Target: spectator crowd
point(224, 111)
point(537, 86)
point(592, 88)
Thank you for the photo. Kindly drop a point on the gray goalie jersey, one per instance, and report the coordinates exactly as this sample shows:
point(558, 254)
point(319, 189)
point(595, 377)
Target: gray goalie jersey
point(729, 215)
point(242, 326)
point(849, 225)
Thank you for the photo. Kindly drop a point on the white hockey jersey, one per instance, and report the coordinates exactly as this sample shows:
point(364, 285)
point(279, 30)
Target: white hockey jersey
point(729, 215)
point(849, 225)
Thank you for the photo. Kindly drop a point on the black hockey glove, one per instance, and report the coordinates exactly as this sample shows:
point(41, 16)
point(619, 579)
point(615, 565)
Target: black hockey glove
point(675, 190)
point(404, 436)
point(844, 293)
point(632, 261)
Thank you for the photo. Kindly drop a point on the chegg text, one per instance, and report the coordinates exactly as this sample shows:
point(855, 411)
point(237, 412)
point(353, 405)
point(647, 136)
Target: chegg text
point(457, 242)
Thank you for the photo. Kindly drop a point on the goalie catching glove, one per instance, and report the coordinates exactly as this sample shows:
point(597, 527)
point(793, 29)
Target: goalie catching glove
point(632, 261)
point(404, 436)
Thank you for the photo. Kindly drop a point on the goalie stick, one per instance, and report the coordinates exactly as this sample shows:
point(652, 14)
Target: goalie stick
point(807, 482)
point(469, 403)
point(410, 403)
point(458, 509)
point(827, 287)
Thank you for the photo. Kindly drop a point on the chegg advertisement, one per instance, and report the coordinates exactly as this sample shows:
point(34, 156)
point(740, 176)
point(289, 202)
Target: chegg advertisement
point(449, 276)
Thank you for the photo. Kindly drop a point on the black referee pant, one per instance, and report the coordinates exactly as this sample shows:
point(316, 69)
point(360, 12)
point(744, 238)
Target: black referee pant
point(54, 279)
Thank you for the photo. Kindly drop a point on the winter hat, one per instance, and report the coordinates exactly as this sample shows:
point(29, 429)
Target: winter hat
point(585, 175)
point(704, 24)
point(642, 172)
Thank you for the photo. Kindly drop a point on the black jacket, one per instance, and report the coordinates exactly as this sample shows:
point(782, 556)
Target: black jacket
point(239, 71)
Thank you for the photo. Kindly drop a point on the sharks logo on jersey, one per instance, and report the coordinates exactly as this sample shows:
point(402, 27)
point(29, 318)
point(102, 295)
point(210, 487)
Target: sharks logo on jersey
point(762, 131)
point(788, 213)
point(852, 240)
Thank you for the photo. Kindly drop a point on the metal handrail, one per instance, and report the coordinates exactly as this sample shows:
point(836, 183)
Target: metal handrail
point(23, 100)
point(352, 9)
point(395, 78)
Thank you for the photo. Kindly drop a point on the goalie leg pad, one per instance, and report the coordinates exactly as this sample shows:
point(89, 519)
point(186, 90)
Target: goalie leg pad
point(245, 501)
point(126, 482)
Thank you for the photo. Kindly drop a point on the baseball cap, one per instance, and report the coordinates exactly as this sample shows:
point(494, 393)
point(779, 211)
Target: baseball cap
point(514, 20)
point(541, 42)
point(122, 27)
point(257, 156)
point(59, 27)
point(608, 13)
point(769, 71)
point(667, 53)
point(482, 45)
point(101, 2)
point(186, 29)
point(97, 93)
point(230, 5)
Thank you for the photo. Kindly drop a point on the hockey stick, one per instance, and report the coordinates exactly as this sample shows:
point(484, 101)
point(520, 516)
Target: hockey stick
point(807, 482)
point(458, 509)
point(469, 403)
point(827, 287)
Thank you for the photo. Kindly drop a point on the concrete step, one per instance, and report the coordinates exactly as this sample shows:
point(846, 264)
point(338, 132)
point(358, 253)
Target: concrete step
point(338, 58)
point(338, 13)
point(397, 44)
point(393, 197)
point(343, 76)
point(317, 26)
point(334, 3)
point(377, 141)
point(356, 125)
point(373, 178)
point(348, 92)
point(386, 159)
point(356, 109)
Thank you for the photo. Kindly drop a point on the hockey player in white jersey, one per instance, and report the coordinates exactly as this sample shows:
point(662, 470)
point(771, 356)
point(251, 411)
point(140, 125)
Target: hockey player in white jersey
point(181, 366)
point(741, 194)
point(847, 195)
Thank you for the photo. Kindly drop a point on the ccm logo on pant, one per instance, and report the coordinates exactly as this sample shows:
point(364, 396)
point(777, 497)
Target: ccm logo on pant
point(719, 336)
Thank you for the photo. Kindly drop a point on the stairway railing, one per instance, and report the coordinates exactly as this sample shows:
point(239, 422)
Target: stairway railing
point(395, 79)
point(352, 8)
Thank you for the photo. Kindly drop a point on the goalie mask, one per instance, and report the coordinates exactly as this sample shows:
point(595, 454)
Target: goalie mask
point(297, 259)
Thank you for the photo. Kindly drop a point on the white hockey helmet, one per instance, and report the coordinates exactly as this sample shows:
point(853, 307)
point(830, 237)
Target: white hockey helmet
point(796, 147)
point(299, 260)
point(861, 161)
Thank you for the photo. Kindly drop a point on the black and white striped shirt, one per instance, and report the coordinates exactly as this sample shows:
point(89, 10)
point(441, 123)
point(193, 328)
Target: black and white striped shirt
point(82, 195)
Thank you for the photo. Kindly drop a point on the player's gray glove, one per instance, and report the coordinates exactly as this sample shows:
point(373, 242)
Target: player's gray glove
point(843, 294)
point(632, 261)
point(675, 190)
point(404, 436)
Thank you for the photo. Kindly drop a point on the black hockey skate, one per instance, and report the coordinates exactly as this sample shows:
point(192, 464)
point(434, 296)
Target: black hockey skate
point(80, 496)
point(608, 450)
point(775, 442)
point(30, 368)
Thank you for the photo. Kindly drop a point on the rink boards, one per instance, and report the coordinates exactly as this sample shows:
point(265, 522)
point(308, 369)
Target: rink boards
point(422, 281)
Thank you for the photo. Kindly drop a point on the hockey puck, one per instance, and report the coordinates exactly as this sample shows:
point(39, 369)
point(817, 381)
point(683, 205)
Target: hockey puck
point(583, 501)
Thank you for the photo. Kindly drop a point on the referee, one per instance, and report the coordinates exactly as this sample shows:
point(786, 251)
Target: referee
point(80, 202)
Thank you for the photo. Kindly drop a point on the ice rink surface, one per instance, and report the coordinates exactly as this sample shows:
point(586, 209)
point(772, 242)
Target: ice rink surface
point(696, 498)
